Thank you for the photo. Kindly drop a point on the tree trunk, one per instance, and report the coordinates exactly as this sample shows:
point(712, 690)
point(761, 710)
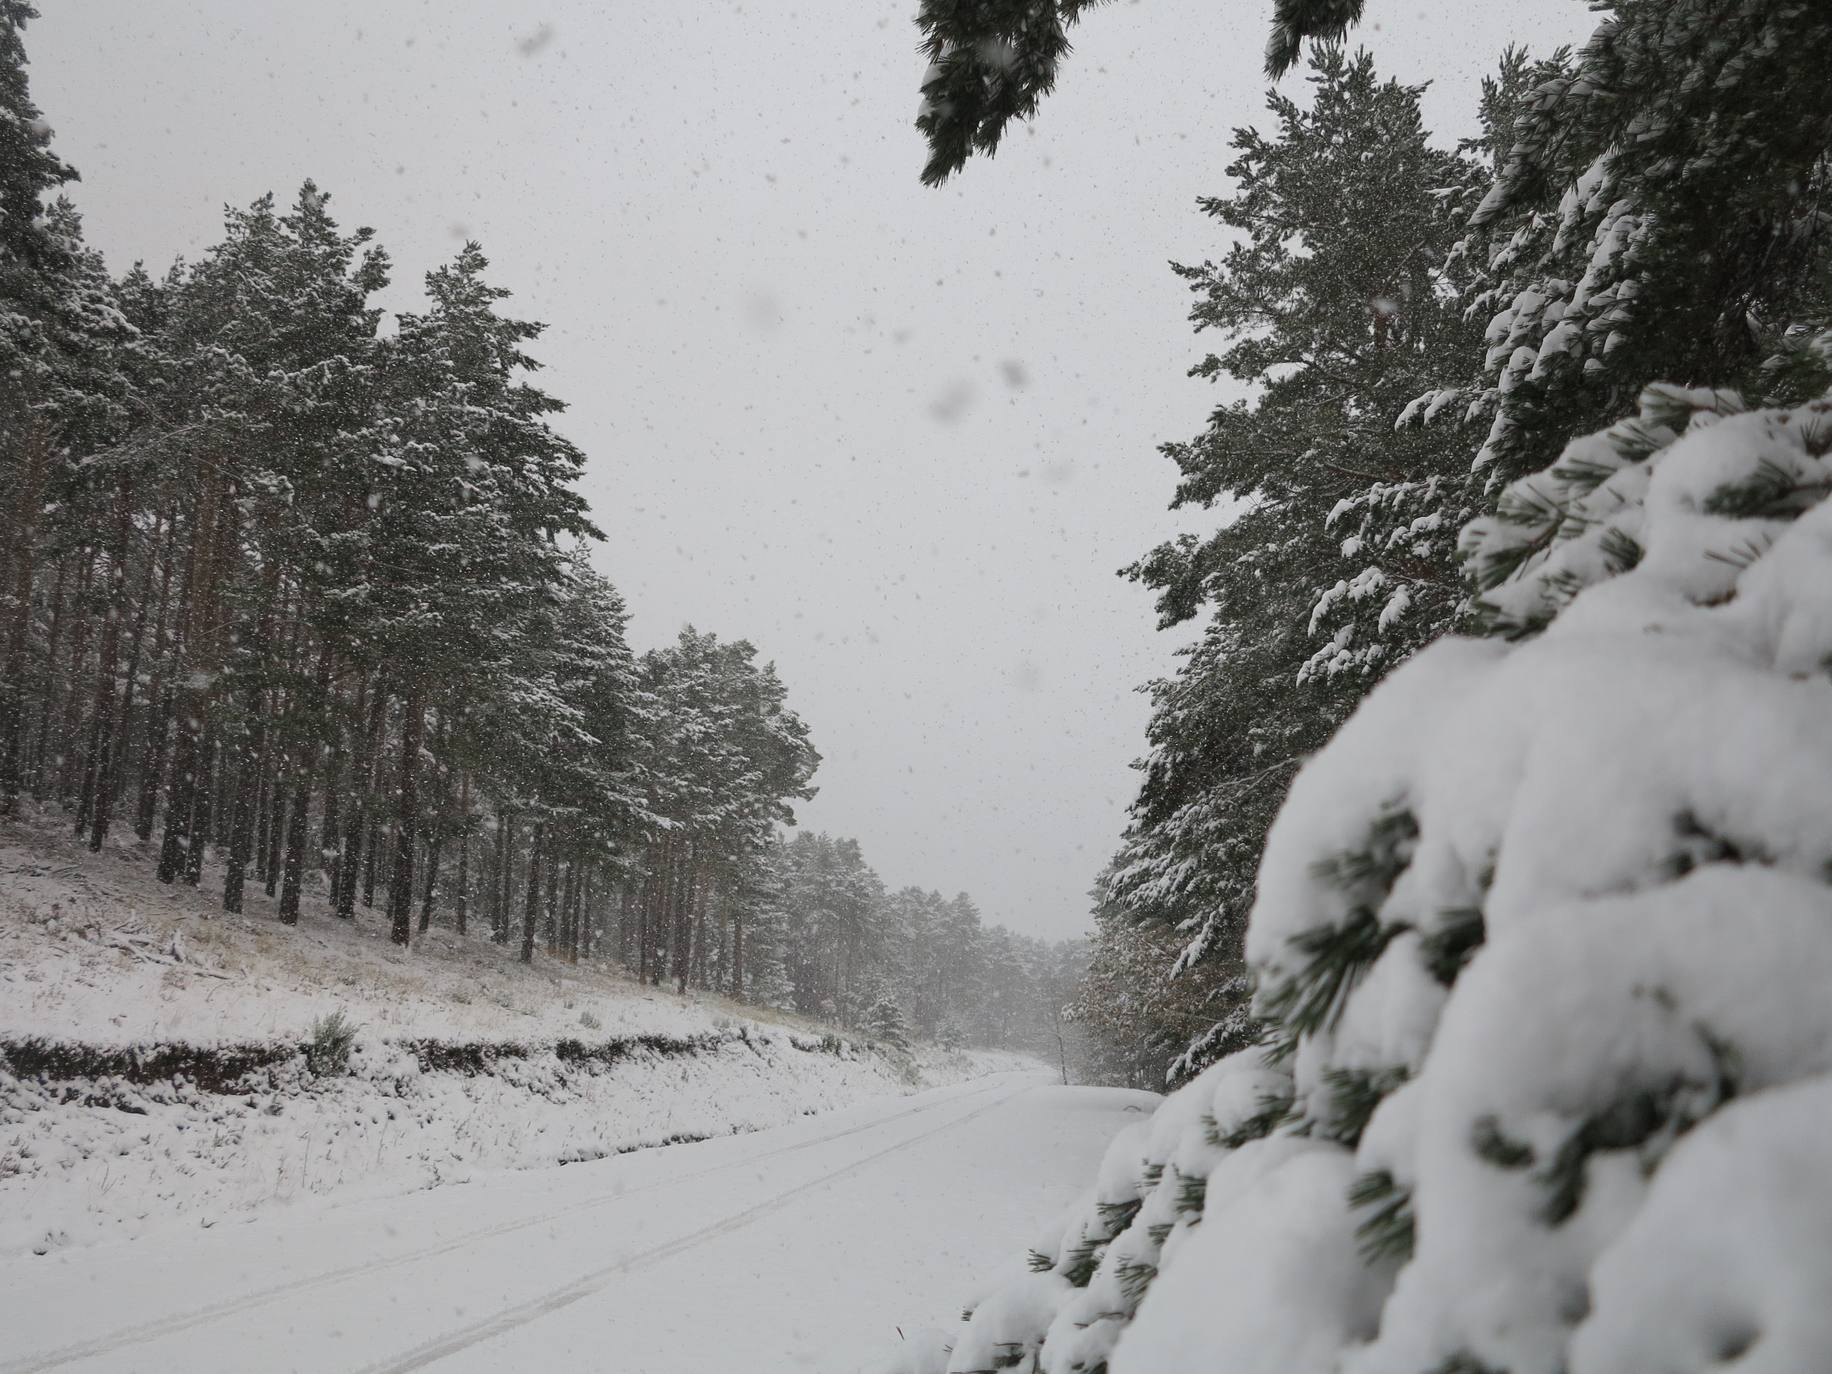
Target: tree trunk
point(298, 832)
point(98, 784)
point(192, 669)
point(697, 966)
point(330, 843)
point(585, 912)
point(407, 827)
point(550, 907)
point(531, 914)
point(737, 953)
point(254, 747)
point(371, 861)
point(569, 911)
point(462, 906)
point(682, 955)
point(357, 826)
point(246, 796)
point(158, 698)
point(68, 755)
point(35, 769)
point(273, 758)
point(626, 908)
point(499, 877)
point(431, 886)
point(276, 816)
point(204, 796)
point(27, 502)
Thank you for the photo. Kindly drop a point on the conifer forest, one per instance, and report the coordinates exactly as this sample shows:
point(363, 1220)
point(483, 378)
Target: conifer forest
point(1403, 894)
point(304, 605)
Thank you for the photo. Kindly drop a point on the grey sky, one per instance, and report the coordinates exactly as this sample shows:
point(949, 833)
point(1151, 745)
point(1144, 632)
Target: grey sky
point(898, 438)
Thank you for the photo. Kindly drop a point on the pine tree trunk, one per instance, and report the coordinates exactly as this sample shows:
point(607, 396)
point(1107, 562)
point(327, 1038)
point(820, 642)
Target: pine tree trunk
point(98, 786)
point(155, 757)
point(350, 859)
point(330, 843)
point(264, 800)
point(35, 767)
point(298, 832)
point(737, 954)
point(27, 502)
point(585, 914)
point(194, 665)
point(253, 747)
point(570, 907)
point(499, 866)
point(276, 816)
point(159, 699)
point(550, 914)
point(159, 558)
point(204, 800)
point(430, 887)
point(246, 797)
point(531, 913)
point(278, 708)
point(69, 756)
point(462, 906)
point(179, 795)
point(698, 965)
point(642, 903)
point(371, 860)
point(680, 959)
point(407, 826)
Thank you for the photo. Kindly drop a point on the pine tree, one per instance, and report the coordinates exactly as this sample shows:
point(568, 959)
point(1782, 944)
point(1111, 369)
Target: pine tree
point(884, 1022)
point(1337, 558)
point(40, 313)
point(993, 61)
point(1657, 215)
point(1541, 966)
point(473, 493)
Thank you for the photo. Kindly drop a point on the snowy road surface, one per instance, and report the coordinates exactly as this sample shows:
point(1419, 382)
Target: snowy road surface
point(798, 1249)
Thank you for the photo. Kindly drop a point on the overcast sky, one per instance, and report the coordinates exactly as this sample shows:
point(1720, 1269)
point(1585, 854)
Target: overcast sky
point(900, 439)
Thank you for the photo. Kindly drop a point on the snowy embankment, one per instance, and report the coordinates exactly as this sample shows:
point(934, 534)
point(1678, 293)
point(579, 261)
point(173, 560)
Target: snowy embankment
point(155, 1064)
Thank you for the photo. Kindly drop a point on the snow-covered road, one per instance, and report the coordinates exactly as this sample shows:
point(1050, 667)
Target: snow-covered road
point(798, 1249)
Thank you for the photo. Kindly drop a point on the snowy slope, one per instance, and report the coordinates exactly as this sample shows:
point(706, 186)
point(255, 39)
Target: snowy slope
point(86, 951)
point(152, 1072)
point(754, 1250)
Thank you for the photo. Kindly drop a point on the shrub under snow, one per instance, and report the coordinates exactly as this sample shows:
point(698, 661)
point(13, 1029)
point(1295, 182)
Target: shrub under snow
point(1544, 939)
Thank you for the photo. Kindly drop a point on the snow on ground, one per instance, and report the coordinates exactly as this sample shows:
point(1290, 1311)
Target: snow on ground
point(787, 1250)
point(465, 1061)
point(86, 952)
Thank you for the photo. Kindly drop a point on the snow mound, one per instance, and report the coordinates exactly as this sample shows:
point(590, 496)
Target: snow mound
point(1542, 940)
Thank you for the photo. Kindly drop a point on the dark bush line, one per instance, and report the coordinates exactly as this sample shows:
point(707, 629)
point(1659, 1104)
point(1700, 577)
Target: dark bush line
point(216, 1069)
point(472, 1057)
point(225, 1068)
point(588, 1156)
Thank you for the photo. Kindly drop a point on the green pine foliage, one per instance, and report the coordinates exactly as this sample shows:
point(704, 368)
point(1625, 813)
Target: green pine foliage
point(1641, 229)
point(1333, 556)
point(884, 1022)
point(1657, 215)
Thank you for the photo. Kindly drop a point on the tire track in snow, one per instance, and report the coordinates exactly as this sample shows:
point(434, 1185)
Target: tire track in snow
point(167, 1326)
point(586, 1285)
